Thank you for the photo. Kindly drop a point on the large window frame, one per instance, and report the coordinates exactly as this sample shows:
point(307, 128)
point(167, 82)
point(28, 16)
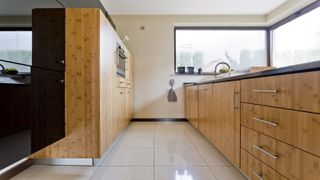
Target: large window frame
point(268, 29)
point(15, 29)
point(227, 28)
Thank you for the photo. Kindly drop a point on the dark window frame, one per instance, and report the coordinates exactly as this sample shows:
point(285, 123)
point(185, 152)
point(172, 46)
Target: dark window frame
point(288, 19)
point(227, 28)
point(269, 29)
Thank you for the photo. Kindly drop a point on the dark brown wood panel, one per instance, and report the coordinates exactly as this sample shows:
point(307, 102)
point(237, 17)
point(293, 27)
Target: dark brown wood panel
point(48, 39)
point(14, 109)
point(48, 108)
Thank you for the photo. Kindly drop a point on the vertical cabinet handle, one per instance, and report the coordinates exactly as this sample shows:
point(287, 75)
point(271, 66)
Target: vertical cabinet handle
point(260, 177)
point(259, 148)
point(265, 122)
point(235, 93)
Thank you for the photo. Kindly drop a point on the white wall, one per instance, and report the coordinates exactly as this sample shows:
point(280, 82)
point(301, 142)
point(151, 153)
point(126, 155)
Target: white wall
point(153, 53)
point(286, 9)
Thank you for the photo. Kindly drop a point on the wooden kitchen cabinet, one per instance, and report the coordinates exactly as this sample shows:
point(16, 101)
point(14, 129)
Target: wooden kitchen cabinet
point(225, 119)
point(48, 38)
point(94, 105)
point(205, 107)
point(191, 105)
point(293, 91)
point(48, 108)
point(289, 161)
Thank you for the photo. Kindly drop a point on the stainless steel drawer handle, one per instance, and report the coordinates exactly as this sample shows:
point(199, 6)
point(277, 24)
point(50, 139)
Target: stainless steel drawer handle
point(265, 122)
point(257, 175)
point(259, 148)
point(61, 81)
point(265, 91)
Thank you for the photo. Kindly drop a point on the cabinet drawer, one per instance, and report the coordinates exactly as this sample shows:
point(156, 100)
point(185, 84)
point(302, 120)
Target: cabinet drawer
point(298, 129)
point(294, 91)
point(285, 159)
point(256, 169)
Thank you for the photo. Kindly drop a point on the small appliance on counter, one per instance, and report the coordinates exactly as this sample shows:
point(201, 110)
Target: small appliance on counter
point(121, 61)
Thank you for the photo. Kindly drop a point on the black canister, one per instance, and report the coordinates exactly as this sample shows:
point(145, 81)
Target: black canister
point(190, 70)
point(181, 70)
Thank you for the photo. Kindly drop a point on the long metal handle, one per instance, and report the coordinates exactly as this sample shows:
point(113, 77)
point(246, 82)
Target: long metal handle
point(234, 101)
point(265, 122)
point(265, 152)
point(257, 175)
point(265, 91)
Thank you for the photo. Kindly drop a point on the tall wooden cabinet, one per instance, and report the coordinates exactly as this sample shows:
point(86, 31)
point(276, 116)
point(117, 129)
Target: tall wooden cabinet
point(94, 107)
point(47, 77)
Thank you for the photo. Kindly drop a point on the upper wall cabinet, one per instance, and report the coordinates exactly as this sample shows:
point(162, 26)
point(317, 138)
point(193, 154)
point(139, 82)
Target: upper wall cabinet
point(48, 38)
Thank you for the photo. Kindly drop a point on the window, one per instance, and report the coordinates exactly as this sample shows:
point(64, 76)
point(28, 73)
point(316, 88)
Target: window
point(297, 41)
point(203, 48)
point(16, 46)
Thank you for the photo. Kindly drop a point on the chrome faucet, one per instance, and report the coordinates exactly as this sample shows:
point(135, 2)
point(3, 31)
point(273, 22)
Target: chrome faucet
point(220, 63)
point(2, 71)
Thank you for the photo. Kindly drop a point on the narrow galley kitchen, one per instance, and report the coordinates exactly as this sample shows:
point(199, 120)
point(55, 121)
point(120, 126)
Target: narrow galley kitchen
point(159, 90)
point(146, 151)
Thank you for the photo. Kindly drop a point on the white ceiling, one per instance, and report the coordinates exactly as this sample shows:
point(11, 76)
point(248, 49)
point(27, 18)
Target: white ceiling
point(191, 7)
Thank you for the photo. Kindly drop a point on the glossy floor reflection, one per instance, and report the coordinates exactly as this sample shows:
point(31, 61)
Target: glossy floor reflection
point(149, 151)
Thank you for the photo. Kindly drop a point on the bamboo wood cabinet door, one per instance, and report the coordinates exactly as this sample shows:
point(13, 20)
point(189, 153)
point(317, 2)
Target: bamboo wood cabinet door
point(225, 119)
point(191, 105)
point(205, 106)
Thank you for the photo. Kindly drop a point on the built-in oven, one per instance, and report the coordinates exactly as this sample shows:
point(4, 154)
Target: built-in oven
point(121, 61)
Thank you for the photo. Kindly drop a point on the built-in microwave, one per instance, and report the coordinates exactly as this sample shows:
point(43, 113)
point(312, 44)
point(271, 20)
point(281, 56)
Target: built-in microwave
point(121, 61)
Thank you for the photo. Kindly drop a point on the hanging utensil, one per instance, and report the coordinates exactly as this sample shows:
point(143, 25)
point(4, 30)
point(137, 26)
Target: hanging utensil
point(172, 96)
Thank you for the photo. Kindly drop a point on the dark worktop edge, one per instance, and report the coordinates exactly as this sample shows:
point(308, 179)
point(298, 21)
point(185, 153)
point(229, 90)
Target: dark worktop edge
point(300, 68)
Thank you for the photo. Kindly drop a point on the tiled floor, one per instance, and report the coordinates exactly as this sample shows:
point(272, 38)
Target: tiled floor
point(149, 151)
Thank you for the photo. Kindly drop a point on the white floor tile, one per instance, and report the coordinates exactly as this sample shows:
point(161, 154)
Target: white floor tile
point(124, 173)
point(213, 157)
point(129, 157)
point(56, 172)
point(175, 151)
point(189, 173)
point(178, 157)
point(227, 173)
point(135, 142)
point(173, 142)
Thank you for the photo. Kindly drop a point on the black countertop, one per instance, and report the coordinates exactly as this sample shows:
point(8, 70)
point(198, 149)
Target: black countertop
point(307, 67)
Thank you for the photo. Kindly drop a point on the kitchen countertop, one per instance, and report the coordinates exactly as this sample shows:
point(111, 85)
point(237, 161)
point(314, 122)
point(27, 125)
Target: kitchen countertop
point(307, 67)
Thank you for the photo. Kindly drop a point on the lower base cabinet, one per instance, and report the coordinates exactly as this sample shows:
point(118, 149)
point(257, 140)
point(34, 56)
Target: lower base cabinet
point(219, 117)
point(289, 161)
point(256, 169)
